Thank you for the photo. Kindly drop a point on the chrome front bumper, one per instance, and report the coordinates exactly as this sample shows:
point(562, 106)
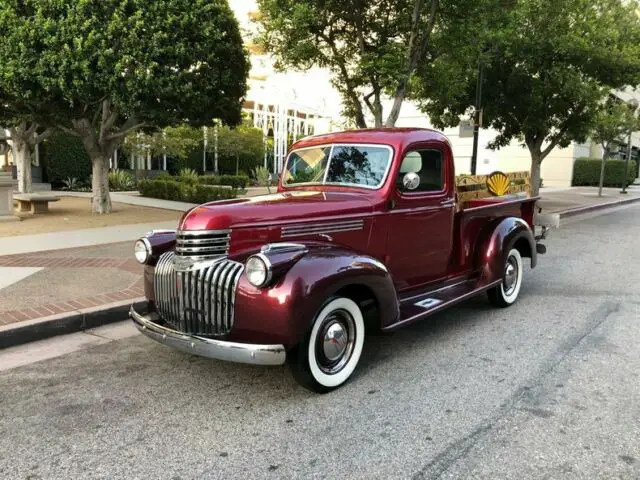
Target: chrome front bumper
point(208, 347)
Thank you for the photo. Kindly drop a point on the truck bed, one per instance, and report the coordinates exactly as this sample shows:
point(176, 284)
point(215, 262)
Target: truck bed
point(479, 215)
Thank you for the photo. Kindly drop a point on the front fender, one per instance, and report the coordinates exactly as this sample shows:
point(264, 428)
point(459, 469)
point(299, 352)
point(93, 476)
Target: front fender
point(283, 312)
point(496, 242)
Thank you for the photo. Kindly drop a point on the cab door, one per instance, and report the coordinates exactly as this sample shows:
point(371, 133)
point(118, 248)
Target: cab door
point(420, 238)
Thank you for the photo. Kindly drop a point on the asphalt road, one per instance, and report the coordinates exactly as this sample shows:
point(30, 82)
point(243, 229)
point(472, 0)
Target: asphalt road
point(546, 389)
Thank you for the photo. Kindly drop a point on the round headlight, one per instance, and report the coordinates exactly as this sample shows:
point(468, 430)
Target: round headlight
point(257, 271)
point(142, 250)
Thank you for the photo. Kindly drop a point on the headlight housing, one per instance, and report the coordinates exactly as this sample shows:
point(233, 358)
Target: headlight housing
point(258, 270)
point(142, 250)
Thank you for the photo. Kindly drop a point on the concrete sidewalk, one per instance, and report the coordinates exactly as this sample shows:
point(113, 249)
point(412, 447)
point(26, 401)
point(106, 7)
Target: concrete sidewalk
point(77, 238)
point(67, 287)
point(575, 199)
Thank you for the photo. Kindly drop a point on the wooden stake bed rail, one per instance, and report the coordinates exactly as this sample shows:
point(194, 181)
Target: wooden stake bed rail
point(496, 184)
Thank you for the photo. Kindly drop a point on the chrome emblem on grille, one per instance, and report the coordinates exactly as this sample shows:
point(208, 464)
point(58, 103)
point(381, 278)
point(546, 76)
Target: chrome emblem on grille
point(183, 264)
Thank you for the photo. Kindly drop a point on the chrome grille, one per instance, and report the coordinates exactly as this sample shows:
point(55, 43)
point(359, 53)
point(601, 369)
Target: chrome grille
point(202, 244)
point(198, 302)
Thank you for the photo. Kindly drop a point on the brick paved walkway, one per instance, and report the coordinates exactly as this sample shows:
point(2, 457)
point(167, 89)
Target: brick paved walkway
point(82, 280)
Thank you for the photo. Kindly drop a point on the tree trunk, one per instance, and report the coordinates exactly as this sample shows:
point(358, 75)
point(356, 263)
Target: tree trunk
point(536, 161)
point(237, 165)
point(601, 182)
point(399, 97)
point(100, 200)
point(22, 155)
point(378, 120)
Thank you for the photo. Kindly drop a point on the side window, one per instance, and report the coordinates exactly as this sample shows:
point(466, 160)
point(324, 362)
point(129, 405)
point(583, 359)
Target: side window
point(421, 171)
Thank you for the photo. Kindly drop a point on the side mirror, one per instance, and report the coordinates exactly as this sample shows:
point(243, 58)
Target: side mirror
point(411, 181)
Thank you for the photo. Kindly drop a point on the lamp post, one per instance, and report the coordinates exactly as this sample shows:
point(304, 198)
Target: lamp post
point(476, 120)
point(204, 151)
point(633, 103)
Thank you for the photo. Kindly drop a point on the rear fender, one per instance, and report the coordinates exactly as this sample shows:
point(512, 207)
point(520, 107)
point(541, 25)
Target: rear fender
point(498, 240)
point(283, 312)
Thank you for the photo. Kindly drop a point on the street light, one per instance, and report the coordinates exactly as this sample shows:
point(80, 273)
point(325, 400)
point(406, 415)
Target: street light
point(633, 103)
point(477, 118)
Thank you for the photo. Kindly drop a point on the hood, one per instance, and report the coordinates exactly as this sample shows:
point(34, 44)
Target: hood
point(274, 209)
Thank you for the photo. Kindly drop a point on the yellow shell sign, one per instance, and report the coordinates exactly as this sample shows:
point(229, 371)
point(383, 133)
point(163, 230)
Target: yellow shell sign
point(498, 184)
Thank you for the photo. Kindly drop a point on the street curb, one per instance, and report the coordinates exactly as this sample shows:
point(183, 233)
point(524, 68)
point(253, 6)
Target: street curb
point(601, 206)
point(64, 323)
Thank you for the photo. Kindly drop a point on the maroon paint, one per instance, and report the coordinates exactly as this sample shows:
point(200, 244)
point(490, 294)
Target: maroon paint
point(161, 242)
point(283, 312)
point(421, 239)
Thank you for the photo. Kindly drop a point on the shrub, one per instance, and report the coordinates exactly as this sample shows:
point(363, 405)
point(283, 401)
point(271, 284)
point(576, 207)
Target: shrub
point(586, 172)
point(188, 175)
point(64, 157)
point(183, 191)
point(70, 183)
point(234, 181)
point(120, 180)
point(263, 177)
point(164, 176)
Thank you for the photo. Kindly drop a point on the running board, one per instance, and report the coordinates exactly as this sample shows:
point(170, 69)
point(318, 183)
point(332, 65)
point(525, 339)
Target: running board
point(417, 307)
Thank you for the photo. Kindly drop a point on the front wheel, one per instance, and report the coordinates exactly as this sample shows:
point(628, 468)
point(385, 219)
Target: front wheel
point(329, 353)
point(507, 292)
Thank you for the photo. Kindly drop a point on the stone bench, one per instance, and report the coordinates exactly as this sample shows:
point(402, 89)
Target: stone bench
point(34, 202)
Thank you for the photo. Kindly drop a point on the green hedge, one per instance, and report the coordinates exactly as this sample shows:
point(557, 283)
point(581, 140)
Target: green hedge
point(234, 181)
point(64, 157)
point(238, 182)
point(183, 192)
point(586, 172)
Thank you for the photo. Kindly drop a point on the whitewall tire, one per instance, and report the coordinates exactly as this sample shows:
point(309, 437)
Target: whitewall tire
point(507, 292)
point(328, 355)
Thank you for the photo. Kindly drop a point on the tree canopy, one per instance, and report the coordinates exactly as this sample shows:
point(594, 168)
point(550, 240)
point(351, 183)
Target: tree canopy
point(547, 66)
point(371, 47)
point(242, 144)
point(175, 141)
point(100, 69)
point(613, 123)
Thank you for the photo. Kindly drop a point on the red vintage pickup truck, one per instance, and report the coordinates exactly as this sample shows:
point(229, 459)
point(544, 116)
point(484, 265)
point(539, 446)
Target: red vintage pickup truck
point(368, 232)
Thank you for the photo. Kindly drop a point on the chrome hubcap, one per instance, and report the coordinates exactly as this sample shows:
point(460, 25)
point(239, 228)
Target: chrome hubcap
point(335, 341)
point(510, 276)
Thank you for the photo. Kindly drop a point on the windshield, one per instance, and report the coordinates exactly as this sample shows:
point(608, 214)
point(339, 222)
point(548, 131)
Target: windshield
point(355, 165)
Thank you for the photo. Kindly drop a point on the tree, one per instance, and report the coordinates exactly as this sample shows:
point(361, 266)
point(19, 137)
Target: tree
point(174, 141)
point(613, 122)
point(24, 137)
point(101, 69)
point(547, 67)
point(25, 134)
point(371, 47)
point(242, 141)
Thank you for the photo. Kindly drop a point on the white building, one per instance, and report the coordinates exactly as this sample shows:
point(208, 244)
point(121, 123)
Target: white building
point(311, 94)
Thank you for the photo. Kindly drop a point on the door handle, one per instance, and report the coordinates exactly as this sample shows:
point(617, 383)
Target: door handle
point(448, 202)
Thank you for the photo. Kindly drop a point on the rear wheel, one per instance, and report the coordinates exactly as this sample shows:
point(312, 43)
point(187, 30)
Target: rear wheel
point(505, 294)
point(329, 353)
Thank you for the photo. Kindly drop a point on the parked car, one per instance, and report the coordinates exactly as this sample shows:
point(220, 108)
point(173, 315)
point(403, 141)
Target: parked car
point(368, 232)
